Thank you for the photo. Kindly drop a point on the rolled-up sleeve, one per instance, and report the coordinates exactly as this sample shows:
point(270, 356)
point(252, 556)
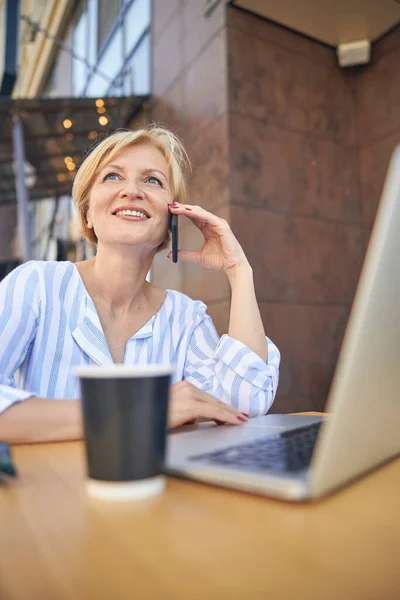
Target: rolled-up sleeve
point(229, 370)
point(19, 312)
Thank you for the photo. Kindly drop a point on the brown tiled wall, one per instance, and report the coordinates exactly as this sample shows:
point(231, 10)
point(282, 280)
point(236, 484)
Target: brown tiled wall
point(295, 195)
point(378, 120)
point(190, 96)
point(291, 150)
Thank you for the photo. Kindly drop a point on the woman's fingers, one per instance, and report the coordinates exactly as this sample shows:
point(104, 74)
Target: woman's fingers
point(189, 403)
point(221, 251)
point(214, 412)
point(197, 214)
point(204, 397)
point(193, 256)
point(186, 389)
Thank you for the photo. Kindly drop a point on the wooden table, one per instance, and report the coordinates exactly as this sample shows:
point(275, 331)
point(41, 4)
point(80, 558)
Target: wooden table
point(194, 541)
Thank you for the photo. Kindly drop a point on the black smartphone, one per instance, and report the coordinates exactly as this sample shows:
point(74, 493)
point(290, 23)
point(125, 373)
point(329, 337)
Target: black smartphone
point(173, 227)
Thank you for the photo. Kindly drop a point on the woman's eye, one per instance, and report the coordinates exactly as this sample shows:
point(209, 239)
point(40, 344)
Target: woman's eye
point(111, 176)
point(153, 179)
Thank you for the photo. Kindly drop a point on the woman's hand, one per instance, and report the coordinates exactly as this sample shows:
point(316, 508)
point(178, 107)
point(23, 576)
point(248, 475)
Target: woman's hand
point(221, 251)
point(188, 404)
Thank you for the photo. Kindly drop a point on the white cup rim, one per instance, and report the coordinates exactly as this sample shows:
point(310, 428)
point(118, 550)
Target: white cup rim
point(122, 371)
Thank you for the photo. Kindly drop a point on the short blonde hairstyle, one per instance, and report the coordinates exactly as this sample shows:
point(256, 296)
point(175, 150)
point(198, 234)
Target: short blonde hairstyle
point(161, 138)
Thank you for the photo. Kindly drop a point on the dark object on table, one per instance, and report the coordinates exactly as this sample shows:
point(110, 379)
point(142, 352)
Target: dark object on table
point(6, 465)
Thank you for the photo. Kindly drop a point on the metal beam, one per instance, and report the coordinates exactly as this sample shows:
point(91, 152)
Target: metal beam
point(21, 190)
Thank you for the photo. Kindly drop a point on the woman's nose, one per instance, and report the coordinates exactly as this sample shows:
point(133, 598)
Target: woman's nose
point(132, 188)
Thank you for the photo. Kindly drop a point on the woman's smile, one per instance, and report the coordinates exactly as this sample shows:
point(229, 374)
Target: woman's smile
point(131, 213)
point(131, 217)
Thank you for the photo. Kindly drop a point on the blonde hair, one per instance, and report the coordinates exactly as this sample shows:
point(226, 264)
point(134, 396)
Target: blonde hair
point(161, 138)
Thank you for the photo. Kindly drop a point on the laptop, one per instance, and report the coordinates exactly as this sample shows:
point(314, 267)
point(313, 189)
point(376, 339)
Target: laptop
point(300, 458)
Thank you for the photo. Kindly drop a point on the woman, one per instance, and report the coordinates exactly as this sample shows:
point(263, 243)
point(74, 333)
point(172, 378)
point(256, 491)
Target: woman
point(103, 310)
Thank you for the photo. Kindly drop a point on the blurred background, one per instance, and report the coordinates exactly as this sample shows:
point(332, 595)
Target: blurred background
point(289, 110)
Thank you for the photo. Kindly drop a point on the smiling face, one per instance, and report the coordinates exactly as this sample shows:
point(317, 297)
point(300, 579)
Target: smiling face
point(128, 202)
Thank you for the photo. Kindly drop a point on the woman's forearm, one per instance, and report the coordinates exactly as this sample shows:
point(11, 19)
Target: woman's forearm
point(41, 420)
point(245, 323)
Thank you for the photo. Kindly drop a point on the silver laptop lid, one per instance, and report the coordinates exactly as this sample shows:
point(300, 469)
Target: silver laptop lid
point(364, 429)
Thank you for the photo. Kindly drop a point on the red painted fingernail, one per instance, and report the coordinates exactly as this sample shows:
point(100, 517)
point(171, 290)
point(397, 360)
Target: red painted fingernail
point(242, 419)
point(245, 414)
point(187, 208)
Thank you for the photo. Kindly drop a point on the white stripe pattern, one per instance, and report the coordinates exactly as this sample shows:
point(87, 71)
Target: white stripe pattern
point(49, 324)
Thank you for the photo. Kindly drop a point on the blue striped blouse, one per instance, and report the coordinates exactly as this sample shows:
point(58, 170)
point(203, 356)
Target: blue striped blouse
point(48, 324)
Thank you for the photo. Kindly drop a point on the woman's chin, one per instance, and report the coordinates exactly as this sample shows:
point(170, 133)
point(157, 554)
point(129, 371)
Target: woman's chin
point(127, 241)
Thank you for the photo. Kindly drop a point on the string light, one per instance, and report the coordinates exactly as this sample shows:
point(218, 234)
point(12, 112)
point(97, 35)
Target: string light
point(92, 135)
point(101, 110)
point(67, 123)
point(69, 136)
point(99, 102)
point(61, 177)
point(103, 120)
point(71, 166)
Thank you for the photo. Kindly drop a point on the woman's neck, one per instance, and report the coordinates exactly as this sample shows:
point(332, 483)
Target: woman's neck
point(116, 277)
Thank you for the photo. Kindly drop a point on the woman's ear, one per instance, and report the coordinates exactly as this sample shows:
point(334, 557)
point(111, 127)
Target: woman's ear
point(89, 221)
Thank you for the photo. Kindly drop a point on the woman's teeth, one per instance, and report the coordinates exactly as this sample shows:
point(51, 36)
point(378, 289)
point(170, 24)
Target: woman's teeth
point(131, 213)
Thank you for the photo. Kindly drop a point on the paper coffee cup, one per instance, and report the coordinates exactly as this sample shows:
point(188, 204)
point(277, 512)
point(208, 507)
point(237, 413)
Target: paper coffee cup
point(125, 410)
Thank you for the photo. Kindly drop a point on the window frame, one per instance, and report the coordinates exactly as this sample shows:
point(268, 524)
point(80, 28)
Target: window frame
point(124, 7)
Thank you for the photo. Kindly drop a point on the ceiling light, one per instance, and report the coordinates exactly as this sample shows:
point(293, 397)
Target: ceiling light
point(354, 53)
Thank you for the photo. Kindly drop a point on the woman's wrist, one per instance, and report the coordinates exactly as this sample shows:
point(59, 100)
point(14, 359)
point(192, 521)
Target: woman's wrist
point(240, 273)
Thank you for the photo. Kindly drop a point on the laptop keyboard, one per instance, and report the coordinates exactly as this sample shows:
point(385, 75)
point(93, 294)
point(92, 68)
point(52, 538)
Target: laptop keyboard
point(285, 452)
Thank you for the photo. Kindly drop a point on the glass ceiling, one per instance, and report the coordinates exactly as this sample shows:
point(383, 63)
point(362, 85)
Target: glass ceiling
point(58, 133)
